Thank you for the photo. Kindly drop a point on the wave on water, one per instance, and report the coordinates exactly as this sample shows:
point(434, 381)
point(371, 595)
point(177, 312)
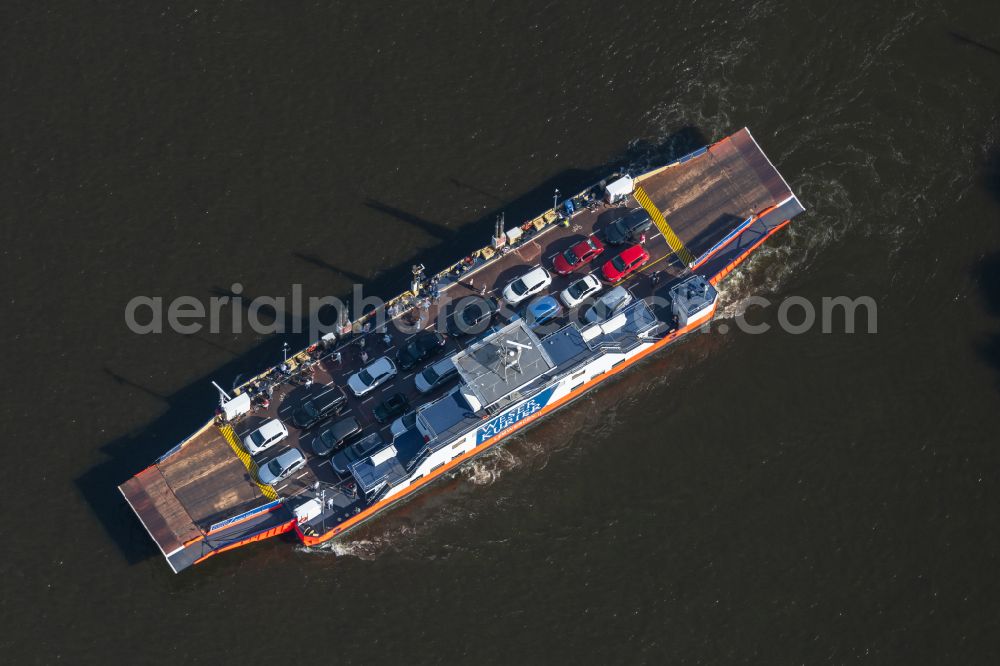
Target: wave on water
point(397, 532)
point(488, 467)
point(833, 190)
point(362, 548)
point(529, 451)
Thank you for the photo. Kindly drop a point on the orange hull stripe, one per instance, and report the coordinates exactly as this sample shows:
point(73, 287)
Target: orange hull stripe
point(739, 260)
point(367, 513)
point(314, 540)
point(718, 249)
point(275, 531)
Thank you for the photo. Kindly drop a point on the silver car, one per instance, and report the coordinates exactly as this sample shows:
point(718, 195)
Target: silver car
point(435, 375)
point(281, 466)
point(609, 304)
point(371, 376)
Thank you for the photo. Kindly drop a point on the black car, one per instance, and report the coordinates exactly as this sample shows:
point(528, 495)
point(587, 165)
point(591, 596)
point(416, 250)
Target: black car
point(330, 439)
point(627, 229)
point(471, 316)
point(419, 348)
point(391, 407)
point(329, 401)
point(342, 460)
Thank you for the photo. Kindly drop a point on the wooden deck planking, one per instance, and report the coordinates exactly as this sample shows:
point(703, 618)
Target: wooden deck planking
point(163, 515)
point(208, 478)
point(704, 199)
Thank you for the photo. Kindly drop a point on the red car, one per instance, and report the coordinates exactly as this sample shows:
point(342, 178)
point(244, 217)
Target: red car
point(628, 261)
point(582, 253)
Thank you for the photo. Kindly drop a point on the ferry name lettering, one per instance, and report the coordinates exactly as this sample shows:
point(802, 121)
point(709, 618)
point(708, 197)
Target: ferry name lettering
point(509, 418)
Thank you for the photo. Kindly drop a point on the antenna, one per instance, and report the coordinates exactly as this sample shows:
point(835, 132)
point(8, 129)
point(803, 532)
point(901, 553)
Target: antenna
point(223, 396)
point(509, 353)
point(499, 235)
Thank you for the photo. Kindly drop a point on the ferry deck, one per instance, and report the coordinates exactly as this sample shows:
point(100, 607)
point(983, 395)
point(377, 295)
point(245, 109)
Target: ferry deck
point(718, 204)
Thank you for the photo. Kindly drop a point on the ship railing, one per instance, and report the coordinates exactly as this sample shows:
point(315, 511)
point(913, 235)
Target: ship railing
point(416, 462)
point(380, 495)
point(622, 345)
point(404, 302)
point(660, 331)
point(474, 262)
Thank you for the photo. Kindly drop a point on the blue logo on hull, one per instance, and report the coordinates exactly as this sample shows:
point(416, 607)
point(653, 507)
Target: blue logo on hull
point(512, 416)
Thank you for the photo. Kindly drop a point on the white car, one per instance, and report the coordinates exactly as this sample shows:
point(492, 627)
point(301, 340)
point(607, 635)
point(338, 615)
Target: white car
point(371, 376)
point(527, 285)
point(265, 436)
point(580, 291)
point(278, 468)
point(405, 422)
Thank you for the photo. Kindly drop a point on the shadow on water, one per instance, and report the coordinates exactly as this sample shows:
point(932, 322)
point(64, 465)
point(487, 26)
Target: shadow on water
point(959, 37)
point(121, 380)
point(316, 260)
point(434, 229)
point(987, 275)
point(265, 313)
point(188, 409)
point(477, 190)
point(991, 174)
point(987, 271)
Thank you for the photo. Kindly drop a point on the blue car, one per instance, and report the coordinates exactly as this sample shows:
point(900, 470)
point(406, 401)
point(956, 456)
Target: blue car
point(541, 311)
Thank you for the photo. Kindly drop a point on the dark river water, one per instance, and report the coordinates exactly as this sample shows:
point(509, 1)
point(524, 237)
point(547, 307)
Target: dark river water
point(821, 498)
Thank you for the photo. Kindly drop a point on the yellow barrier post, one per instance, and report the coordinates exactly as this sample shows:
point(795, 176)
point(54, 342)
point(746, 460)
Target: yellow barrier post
point(661, 223)
point(230, 436)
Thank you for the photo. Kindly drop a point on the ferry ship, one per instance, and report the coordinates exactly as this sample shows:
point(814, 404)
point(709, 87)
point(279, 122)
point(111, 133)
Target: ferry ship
point(375, 411)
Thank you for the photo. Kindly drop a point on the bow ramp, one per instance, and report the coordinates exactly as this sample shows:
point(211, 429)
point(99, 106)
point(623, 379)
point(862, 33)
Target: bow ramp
point(201, 498)
point(714, 195)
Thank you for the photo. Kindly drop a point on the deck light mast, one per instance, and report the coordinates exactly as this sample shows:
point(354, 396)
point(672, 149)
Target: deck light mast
point(418, 278)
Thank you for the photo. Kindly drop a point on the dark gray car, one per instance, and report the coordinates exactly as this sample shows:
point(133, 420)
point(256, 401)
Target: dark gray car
point(330, 439)
point(628, 228)
point(323, 403)
point(342, 460)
